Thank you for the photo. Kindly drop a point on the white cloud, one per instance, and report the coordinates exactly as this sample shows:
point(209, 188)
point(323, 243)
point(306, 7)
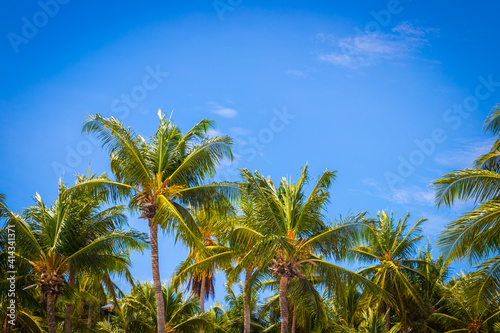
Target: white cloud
point(463, 157)
point(294, 72)
point(415, 195)
point(435, 222)
point(214, 132)
point(226, 112)
point(411, 195)
point(408, 29)
point(240, 131)
point(337, 59)
point(223, 111)
point(372, 48)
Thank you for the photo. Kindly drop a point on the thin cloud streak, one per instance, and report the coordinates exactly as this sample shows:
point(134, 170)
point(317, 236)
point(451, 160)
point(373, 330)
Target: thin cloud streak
point(370, 49)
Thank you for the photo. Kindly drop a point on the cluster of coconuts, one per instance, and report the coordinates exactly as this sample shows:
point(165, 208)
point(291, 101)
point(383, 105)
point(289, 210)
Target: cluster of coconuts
point(51, 283)
point(285, 268)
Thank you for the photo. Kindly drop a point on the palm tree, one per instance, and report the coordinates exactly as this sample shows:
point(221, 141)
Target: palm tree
point(51, 240)
point(307, 306)
point(236, 311)
point(98, 288)
point(222, 257)
point(219, 256)
point(201, 264)
point(246, 218)
point(90, 220)
point(290, 233)
point(466, 310)
point(372, 323)
point(136, 311)
point(391, 250)
point(162, 177)
point(429, 284)
point(29, 312)
point(475, 236)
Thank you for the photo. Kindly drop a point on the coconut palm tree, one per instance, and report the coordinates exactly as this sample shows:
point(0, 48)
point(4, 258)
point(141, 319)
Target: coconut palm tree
point(475, 236)
point(290, 233)
point(392, 251)
point(236, 311)
point(466, 310)
point(29, 314)
point(344, 307)
point(90, 220)
point(201, 264)
point(136, 311)
point(93, 289)
point(220, 256)
point(429, 284)
point(307, 306)
point(246, 218)
point(372, 323)
point(53, 241)
point(162, 177)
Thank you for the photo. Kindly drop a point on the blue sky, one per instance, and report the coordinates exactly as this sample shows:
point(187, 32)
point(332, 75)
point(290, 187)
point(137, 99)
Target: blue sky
point(392, 94)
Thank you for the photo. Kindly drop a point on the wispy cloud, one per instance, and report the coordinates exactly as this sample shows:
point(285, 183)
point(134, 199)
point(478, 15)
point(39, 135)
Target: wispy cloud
point(415, 195)
point(295, 72)
point(240, 131)
point(463, 157)
point(226, 112)
point(369, 49)
point(214, 132)
point(223, 111)
point(435, 222)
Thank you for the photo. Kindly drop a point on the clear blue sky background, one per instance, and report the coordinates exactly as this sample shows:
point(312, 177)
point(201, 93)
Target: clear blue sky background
point(385, 92)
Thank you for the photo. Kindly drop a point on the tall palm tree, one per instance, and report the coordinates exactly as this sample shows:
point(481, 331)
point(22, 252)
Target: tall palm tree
point(475, 236)
point(224, 253)
point(200, 266)
point(307, 306)
point(29, 314)
point(290, 233)
point(429, 284)
point(344, 308)
point(392, 250)
point(136, 311)
point(162, 177)
point(246, 218)
point(236, 311)
point(48, 239)
point(90, 220)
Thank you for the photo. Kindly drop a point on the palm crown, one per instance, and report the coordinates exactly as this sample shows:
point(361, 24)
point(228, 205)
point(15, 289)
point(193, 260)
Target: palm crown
point(162, 178)
point(290, 235)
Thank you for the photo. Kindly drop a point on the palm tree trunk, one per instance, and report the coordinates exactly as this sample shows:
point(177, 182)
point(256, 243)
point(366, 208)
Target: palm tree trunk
point(388, 318)
point(202, 293)
point(247, 320)
point(6, 325)
point(51, 312)
point(155, 265)
point(89, 319)
point(284, 304)
point(294, 322)
point(67, 311)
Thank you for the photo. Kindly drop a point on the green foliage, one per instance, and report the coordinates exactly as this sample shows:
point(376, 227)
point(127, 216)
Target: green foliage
point(283, 258)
